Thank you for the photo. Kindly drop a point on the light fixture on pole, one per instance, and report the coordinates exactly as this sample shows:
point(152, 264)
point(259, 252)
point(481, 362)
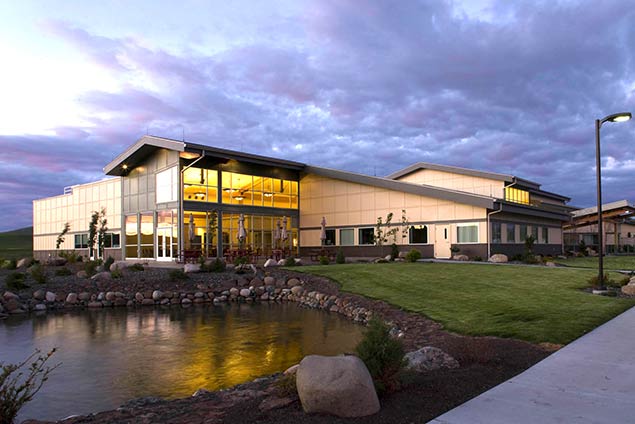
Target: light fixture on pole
point(616, 117)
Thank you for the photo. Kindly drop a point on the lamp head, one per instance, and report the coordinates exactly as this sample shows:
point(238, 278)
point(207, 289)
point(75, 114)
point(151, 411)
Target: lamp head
point(618, 117)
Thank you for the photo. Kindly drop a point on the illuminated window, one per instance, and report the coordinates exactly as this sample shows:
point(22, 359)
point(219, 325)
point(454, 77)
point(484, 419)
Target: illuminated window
point(517, 196)
point(253, 190)
point(167, 185)
point(200, 185)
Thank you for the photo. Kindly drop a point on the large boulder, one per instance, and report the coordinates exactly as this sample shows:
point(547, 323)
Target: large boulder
point(460, 258)
point(498, 258)
point(629, 289)
point(190, 268)
point(336, 385)
point(23, 263)
point(429, 358)
point(56, 261)
point(270, 263)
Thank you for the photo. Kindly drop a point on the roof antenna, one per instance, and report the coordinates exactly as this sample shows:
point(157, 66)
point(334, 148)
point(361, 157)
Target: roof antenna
point(182, 133)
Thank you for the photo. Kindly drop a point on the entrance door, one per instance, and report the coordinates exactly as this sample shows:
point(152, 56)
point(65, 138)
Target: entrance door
point(442, 242)
point(164, 244)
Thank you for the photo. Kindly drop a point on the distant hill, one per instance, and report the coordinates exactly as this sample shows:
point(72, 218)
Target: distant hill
point(16, 243)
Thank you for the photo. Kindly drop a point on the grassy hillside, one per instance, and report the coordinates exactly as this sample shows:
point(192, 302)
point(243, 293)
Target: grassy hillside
point(17, 243)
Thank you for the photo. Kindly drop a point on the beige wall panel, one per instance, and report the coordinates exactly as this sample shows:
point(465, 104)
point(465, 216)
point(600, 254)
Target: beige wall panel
point(367, 200)
point(382, 199)
point(555, 236)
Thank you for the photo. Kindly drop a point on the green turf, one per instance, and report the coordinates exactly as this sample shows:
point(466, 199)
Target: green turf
point(610, 262)
point(17, 243)
point(530, 303)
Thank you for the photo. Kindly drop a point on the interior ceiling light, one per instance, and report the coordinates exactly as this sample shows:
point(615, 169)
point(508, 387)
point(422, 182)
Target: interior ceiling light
point(239, 197)
point(229, 190)
point(268, 194)
point(124, 166)
point(189, 155)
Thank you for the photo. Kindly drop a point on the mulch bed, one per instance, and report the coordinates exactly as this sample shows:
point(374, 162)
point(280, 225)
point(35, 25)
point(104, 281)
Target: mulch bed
point(485, 362)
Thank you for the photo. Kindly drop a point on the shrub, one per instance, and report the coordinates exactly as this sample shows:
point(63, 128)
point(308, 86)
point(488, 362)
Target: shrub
point(383, 356)
point(116, 273)
point(455, 250)
point(19, 385)
point(241, 260)
point(136, 267)
point(413, 256)
point(624, 281)
point(290, 261)
point(595, 281)
point(9, 264)
point(324, 260)
point(217, 265)
point(477, 259)
point(286, 385)
point(91, 267)
point(108, 263)
point(177, 274)
point(394, 252)
point(63, 272)
point(340, 258)
point(71, 256)
point(38, 273)
point(15, 281)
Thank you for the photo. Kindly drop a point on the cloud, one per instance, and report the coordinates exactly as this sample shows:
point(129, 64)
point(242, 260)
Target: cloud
point(369, 87)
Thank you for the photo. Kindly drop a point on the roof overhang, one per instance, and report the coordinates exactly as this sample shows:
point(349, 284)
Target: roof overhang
point(620, 211)
point(559, 213)
point(453, 169)
point(417, 189)
point(243, 157)
point(139, 151)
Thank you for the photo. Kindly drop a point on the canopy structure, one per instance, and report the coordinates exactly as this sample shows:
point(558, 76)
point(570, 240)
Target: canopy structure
point(615, 212)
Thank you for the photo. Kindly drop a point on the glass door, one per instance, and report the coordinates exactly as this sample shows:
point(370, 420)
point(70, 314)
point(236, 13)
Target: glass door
point(164, 244)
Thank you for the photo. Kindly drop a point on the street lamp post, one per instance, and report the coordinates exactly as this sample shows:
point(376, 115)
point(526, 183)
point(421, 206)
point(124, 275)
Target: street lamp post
point(616, 117)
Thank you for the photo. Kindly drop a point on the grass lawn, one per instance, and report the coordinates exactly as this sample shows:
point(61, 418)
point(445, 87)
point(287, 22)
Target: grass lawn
point(529, 303)
point(610, 262)
point(16, 244)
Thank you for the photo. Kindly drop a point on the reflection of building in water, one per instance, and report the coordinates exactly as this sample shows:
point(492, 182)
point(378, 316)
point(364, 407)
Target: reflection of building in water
point(174, 352)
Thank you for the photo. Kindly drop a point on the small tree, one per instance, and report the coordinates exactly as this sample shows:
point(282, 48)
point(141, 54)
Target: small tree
point(101, 234)
point(97, 231)
point(405, 230)
point(212, 227)
point(62, 236)
point(19, 385)
point(384, 231)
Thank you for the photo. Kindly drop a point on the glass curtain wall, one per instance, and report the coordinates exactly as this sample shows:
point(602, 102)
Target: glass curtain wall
point(251, 190)
point(132, 236)
point(200, 185)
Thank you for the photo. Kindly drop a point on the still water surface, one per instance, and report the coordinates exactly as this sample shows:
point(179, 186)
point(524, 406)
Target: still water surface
point(111, 356)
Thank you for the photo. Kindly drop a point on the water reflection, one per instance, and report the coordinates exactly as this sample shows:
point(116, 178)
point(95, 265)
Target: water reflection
point(110, 356)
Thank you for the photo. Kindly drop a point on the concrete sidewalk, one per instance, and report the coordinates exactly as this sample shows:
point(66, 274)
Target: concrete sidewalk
point(591, 380)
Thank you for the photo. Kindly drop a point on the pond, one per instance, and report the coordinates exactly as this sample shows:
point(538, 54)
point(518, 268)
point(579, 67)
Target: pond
point(111, 356)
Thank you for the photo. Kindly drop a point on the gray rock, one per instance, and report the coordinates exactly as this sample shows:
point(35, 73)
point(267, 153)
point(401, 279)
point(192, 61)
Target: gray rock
point(199, 295)
point(186, 302)
point(629, 289)
point(430, 358)
point(56, 261)
point(101, 276)
point(40, 307)
point(82, 274)
point(95, 304)
point(498, 258)
point(245, 292)
point(39, 294)
point(297, 290)
point(138, 297)
point(119, 265)
point(50, 296)
point(71, 298)
point(270, 263)
point(281, 262)
point(157, 295)
point(460, 258)
point(84, 296)
point(147, 302)
point(111, 296)
point(298, 261)
point(101, 296)
point(234, 291)
point(191, 268)
point(264, 296)
point(12, 305)
point(336, 385)
point(293, 282)
point(9, 295)
point(23, 262)
point(269, 281)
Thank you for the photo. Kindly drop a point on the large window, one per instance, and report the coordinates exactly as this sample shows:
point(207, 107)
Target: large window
point(545, 235)
point(418, 234)
point(147, 235)
point(200, 185)
point(81, 241)
point(167, 187)
point(517, 196)
point(366, 236)
point(496, 232)
point(132, 235)
point(347, 237)
point(467, 233)
point(111, 240)
point(523, 233)
point(534, 233)
point(511, 233)
point(251, 190)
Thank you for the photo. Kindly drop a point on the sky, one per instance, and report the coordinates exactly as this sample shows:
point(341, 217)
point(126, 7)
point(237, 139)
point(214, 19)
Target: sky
point(363, 86)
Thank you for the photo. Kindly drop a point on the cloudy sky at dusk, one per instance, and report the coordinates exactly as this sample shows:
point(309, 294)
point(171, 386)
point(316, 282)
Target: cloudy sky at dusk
point(365, 86)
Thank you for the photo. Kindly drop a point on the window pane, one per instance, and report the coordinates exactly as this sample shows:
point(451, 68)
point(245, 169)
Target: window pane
point(166, 185)
point(347, 237)
point(147, 229)
point(496, 232)
point(534, 233)
point(418, 235)
point(545, 235)
point(467, 234)
point(366, 236)
point(523, 233)
point(330, 238)
point(511, 233)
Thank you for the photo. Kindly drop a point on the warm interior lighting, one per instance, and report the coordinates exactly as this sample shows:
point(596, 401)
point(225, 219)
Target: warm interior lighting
point(124, 166)
point(229, 190)
point(239, 197)
point(268, 194)
point(189, 155)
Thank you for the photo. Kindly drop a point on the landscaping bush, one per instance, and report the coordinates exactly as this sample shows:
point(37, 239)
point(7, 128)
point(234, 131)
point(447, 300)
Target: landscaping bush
point(71, 256)
point(38, 273)
point(324, 260)
point(394, 252)
point(286, 385)
point(383, 356)
point(413, 256)
point(19, 385)
point(91, 267)
point(290, 261)
point(108, 263)
point(241, 260)
point(594, 282)
point(340, 258)
point(63, 272)
point(116, 273)
point(15, 281)
point(9, 264)
point(177, 274)
point(136, 267)
point(217, 265)
point(624, 281)
point(477, 259)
